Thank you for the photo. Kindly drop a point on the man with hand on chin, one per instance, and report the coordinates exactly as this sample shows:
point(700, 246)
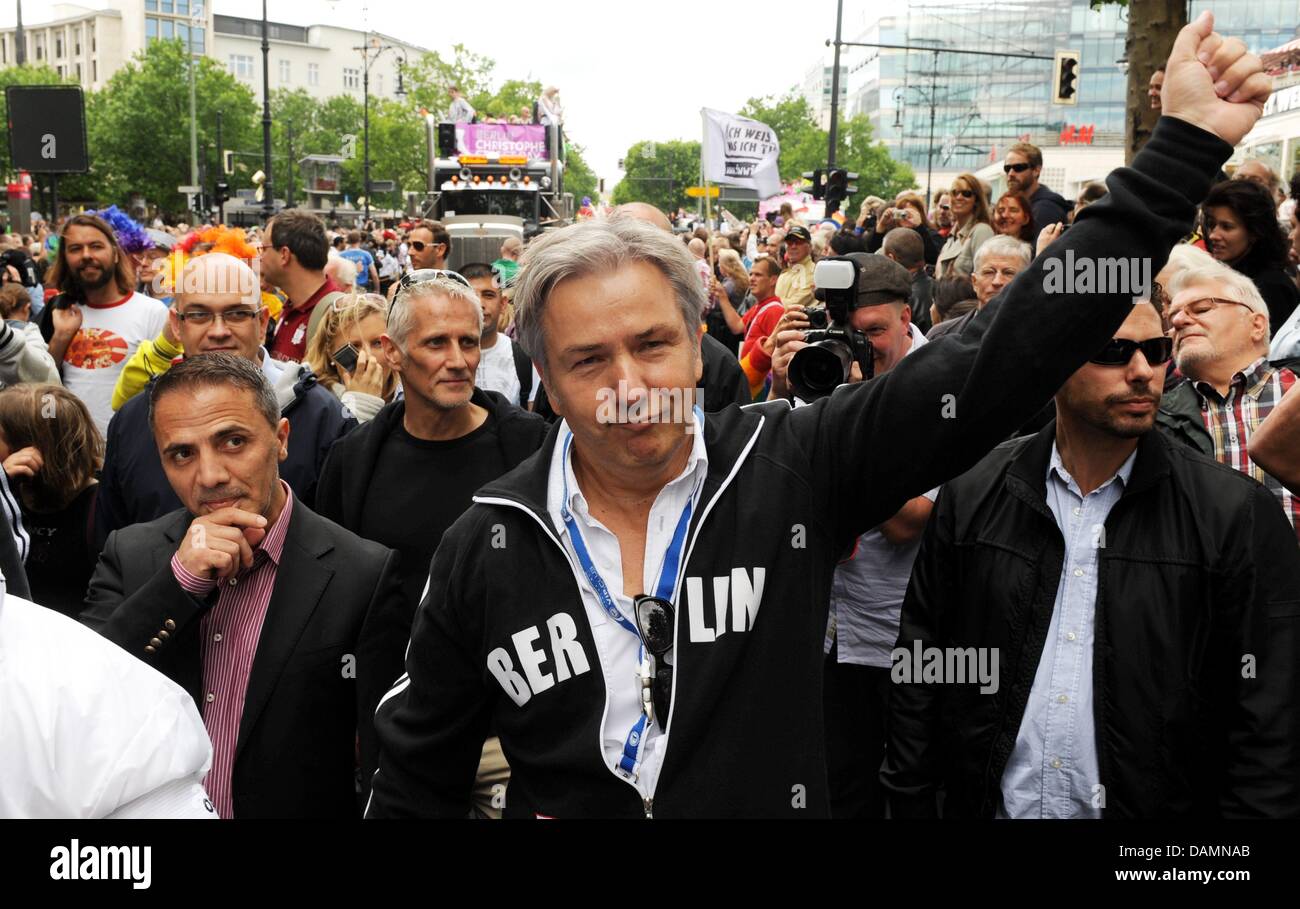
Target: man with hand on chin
point(260, 609)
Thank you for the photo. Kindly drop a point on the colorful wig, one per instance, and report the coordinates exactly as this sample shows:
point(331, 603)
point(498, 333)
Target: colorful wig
point(130, 234)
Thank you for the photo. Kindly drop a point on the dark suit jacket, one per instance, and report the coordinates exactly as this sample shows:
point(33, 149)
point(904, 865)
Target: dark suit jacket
point(296, 751)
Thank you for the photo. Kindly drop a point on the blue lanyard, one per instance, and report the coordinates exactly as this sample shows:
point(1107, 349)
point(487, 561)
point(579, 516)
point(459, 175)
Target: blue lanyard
point(664, 590)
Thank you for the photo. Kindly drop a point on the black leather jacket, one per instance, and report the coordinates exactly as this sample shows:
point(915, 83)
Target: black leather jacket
point(1196, 654)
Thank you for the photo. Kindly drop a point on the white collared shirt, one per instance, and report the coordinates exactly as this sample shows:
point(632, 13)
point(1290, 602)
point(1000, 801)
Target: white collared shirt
point(617, 648)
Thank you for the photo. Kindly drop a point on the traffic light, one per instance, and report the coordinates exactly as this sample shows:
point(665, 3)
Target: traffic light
point(227, 162)
point(839, 186)
point(818, 180)
point(221, 193)
point(1065, 77)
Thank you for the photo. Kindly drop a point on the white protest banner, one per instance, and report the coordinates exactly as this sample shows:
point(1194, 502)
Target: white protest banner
point(740, 152)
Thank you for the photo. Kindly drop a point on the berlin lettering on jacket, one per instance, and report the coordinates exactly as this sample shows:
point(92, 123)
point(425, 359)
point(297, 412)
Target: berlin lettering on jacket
point(734, 609)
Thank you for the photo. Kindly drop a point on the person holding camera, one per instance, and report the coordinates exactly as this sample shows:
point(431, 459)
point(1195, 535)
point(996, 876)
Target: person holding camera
point(907, 211)
point(869, 584)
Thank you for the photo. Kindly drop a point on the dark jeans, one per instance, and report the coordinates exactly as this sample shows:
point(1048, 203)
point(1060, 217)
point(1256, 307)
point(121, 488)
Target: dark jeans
point(855, 700)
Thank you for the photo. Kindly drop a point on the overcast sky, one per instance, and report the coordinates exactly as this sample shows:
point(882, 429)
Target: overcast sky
point(626, 70)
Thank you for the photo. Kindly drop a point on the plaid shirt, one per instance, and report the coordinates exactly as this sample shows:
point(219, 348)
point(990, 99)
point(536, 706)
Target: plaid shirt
point(1232, 420)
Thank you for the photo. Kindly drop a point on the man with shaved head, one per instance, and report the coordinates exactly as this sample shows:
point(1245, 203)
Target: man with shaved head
point(218, 309)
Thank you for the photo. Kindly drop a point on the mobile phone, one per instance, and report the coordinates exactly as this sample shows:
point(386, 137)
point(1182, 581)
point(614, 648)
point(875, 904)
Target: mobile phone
point(346, 357)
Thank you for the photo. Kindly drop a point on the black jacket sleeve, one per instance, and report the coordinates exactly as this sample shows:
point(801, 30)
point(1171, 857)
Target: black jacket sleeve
point(911, 774)
point(936, 413)
point(133, 620)
point(111, 509)
point(1258, 646)
point(380, 653)
point(329, 486)
point(432, 724)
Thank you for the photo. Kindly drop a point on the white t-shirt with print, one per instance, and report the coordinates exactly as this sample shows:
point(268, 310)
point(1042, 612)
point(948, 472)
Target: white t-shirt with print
point(496, 371)
point(108, 337)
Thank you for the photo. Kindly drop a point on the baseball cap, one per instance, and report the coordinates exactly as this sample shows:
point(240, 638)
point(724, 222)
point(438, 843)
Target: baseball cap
point(881, 280)
point(798, 232)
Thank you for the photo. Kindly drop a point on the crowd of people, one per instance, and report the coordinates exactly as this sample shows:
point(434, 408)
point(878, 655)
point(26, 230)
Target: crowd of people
point(302, 521)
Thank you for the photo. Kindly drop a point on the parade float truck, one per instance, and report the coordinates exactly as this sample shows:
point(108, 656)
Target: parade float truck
point(490, 181)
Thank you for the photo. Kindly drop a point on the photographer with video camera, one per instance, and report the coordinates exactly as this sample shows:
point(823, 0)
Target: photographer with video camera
point(868, 587)
point(853, 335)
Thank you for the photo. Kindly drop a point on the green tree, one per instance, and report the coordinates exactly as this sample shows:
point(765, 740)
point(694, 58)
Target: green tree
point(428, 78)
point(659, 173)
point(138, 125)
point(804, 145)
point(579, 178)
point(508, 100)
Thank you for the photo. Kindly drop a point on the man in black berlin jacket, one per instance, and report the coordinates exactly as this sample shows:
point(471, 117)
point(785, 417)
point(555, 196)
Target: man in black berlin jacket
point(1148, 663)
point(504, 638)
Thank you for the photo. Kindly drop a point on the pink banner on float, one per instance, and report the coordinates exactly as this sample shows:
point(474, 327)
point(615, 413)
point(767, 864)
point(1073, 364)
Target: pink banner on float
point(496, 139)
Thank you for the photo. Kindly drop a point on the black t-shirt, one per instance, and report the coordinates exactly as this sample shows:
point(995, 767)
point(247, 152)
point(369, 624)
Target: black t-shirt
point(62, 558)
point(418, 490)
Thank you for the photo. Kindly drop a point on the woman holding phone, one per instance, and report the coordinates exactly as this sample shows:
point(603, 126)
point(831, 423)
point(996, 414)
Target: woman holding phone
point(345, 354)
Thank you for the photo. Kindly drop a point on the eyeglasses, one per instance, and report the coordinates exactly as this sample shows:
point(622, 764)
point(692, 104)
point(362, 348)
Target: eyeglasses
point(945, 207)
point(655, 622)
point(1014, 168)
point(201, 317)
point(419, 245)
point(964, 193)
point(1199, 308)
point(1118, 351)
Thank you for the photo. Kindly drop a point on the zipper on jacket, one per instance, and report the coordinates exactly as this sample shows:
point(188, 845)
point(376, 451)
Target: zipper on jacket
point(647, 801)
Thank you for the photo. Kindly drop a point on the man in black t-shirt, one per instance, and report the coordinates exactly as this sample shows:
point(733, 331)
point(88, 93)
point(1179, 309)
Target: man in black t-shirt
point(404, 477)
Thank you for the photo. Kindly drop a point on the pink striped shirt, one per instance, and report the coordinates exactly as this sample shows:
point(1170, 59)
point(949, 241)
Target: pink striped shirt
point(231, 630)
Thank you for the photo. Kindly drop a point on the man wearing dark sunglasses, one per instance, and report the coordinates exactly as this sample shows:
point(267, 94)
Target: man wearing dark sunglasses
point(1123, 579)
point(535, 617)
point(430, 245)
point(1022, 166)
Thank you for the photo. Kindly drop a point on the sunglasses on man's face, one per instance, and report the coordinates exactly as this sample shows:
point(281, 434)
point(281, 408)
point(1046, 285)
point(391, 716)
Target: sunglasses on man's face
point(420, 245)
point(1118, 351)
point(1015, 168)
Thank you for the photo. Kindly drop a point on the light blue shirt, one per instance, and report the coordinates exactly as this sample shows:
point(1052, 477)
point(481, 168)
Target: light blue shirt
point(1052, 771)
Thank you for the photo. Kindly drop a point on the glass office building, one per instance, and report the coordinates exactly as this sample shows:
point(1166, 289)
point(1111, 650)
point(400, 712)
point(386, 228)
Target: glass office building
point(982, 104)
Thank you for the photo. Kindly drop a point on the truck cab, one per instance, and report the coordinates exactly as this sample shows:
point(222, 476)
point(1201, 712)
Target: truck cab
point(494, 171)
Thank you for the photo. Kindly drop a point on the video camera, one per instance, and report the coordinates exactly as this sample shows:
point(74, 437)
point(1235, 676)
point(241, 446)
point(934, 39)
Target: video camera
point(833, 344)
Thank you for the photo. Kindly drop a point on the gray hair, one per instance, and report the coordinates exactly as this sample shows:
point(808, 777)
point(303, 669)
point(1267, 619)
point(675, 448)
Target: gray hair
point(399, 314)
point(1003, 245)
point(1242, 289)
point(597, 247)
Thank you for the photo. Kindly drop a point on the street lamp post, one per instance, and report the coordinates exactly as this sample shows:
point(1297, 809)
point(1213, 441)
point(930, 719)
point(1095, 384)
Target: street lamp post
point(195, 19)
point(372, 44)
point(268, 199)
